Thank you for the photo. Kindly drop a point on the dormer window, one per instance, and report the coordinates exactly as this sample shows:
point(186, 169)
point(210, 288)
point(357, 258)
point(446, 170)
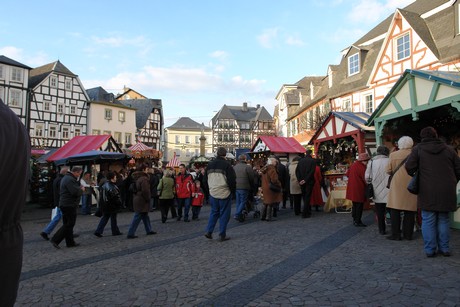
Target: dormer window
point(403, 47)
point(353, 64)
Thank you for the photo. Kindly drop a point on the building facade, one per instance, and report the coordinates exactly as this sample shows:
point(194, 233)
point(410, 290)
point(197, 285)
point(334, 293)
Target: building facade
point(58, 106)
point(14, 81)
point(183, 138)
point(235, 127)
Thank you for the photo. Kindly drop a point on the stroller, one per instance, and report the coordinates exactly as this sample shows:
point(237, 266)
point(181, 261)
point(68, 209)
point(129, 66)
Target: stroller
point(252, 205)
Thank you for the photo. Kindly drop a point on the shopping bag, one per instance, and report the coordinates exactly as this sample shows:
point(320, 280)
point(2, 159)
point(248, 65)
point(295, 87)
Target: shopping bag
point(53, 212)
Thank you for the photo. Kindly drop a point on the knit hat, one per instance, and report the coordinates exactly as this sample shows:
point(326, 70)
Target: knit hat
point(428, 132)
point(221, 152)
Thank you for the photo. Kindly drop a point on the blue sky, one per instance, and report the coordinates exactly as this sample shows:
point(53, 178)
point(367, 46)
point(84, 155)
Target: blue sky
point(193, 55)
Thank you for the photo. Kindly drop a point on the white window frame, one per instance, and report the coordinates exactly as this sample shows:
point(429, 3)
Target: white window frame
point(353, 64)
point(68, 84)
point(53, 81)
point(197, 139)
point(2, 70)
point(121, 116)
point(402, 45)
point(128, 138)
point(346, 105)
point(117, 137)
point(60, 108)
point(15, 98)
point(39, 128)
point(107, 132)
point(96, 132)
point(107, 114)
point(46, 105)
point(187, 139)
point(16, 74)
point(368, 103)
point(73, 110)
point(53, 131)
point(65, 133)
point(177, 139)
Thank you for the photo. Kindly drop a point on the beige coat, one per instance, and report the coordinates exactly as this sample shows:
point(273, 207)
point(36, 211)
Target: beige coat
point(398, 197)
point(294, 183)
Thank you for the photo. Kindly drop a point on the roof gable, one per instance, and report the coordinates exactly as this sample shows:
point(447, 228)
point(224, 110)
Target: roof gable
point(144, 108)
point(11, 62)
point(37, 75)
point(186, 123)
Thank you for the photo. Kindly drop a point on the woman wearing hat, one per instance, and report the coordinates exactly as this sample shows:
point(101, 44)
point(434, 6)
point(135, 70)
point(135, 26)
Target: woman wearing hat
point(399, 199)
point(356, 188)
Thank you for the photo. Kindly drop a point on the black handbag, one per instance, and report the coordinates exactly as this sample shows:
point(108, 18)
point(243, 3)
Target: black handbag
point(413, 185)
point(370, 186)
point(275, 188)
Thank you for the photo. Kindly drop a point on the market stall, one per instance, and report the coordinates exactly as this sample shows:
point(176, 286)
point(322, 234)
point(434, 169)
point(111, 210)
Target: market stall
point(417, 100)
point(144, 154)
point(286, 148)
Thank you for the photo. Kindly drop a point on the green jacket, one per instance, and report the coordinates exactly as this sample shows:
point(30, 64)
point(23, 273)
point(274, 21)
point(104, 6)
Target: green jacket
point(166, 188)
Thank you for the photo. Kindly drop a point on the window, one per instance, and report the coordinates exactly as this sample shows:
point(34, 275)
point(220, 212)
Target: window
point(15, 98)
point(353, 64)
point(77, 132)
point(60, 108)
point(16, 74)
point(197, 139)
point(52, 132)
point(53, 81)
point(65, 132)
point(68, 84)
point(46, 106)
point(187, 153)
point(107, 132)
point(39, 130)
point(187, 139)
point(403, 47)
point(96, 132)
point(2, 94)
point(1, 72)
point(108, 114)
point(369, 103)
point(73, 110)
point(128, 138)
point(177, 139)
point(346, 105)
point(197, 152)
point(117, 137)
point(121, 116)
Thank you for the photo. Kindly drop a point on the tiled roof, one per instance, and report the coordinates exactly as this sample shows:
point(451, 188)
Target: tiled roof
point(38, 74)
point(186, 123)
point(11, 62)
point(237, 113)
point(144, 109)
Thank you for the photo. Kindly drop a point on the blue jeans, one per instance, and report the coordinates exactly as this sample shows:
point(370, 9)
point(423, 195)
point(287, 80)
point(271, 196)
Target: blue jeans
point(113, 223)
point(50, 227)
point(86, 204)
point(220, 210)
point(241, 200)
point(185, 203)
point(138, 216)
point(435, 231)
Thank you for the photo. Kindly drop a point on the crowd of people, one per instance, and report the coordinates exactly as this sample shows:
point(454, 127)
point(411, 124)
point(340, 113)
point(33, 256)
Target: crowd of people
point(300, 182)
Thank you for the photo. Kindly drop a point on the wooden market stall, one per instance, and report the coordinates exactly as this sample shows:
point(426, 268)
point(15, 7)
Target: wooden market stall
point(286, 148)
point(417, 100)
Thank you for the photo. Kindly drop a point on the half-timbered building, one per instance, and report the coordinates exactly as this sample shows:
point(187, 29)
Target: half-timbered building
point(58, 106)
point(235, 127)
point(149, 116)
point(424, 35)
point(14, 80)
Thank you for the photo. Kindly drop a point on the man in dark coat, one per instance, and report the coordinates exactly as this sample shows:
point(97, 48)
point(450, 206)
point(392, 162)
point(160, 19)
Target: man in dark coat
point(305, 173)
point(69, 198)
point(244, 185)
point(14, 165)
point(438, 167)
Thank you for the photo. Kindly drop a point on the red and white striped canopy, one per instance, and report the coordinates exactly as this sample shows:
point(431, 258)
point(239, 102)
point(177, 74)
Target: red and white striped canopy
point(139, 147)
point(174, 162)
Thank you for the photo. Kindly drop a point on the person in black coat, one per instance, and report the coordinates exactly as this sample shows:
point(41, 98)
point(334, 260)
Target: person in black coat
point(110, 203)
point(14, 165)
point(305, 173)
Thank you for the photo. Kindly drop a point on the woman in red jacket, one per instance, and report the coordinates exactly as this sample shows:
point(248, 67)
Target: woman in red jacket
point(316, 196)
point(356, 188)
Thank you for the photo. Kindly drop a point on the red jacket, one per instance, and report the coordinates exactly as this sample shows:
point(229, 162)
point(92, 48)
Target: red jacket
point(184, 185)
point(316, 196)
point(356, 188)
point(198, 197)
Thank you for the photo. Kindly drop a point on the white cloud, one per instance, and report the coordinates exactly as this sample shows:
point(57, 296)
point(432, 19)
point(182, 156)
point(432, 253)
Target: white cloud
point(219, 54)
point(294, 41)
point(373, 11)
point(268, 37)
point(17, 54)
point(117, 41)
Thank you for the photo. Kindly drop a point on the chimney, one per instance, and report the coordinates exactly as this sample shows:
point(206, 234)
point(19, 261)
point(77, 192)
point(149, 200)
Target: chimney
point(245, 106)
point(258, 106)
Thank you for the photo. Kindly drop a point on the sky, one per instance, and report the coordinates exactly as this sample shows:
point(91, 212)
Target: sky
point(196, 55)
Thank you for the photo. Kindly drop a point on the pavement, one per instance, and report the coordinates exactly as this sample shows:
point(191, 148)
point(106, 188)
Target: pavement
point(319, 261)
